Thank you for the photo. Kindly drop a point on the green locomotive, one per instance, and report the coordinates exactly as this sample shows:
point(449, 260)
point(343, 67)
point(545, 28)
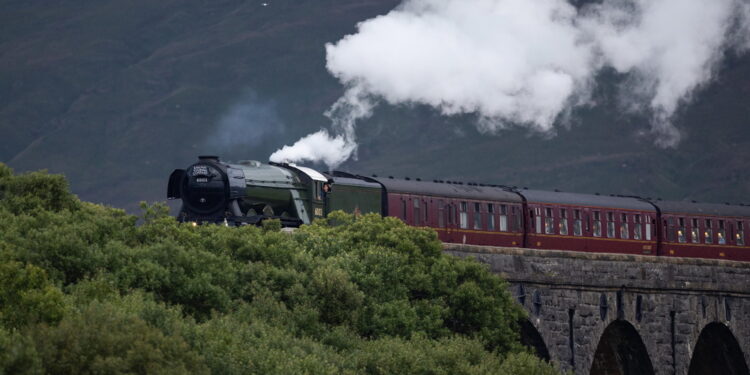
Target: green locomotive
point(248, 192)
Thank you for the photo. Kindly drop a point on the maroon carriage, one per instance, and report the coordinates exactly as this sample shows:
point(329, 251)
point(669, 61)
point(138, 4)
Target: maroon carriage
point(461, 213)
point(705, 230)
point(595, 223)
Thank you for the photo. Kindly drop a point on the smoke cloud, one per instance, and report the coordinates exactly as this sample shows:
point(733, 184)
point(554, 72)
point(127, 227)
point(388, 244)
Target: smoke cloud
point(317, 147)
point(321, 146)
point(669, 48)
point(248, 123)
point(742, 36)
point(528, 62)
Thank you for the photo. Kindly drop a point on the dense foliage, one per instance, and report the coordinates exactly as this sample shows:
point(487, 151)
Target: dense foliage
point(84, 289)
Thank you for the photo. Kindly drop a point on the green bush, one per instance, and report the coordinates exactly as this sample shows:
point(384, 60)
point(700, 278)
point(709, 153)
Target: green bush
point(69, 245)
point(104, 339)
point(26, 296)
point(18, 354)
point(524, 363)
point(5, 172)
point(36, 191)
point(453, 355)
point(409, 285)
point(272, 225)
point(233, 345)
point(197, 279)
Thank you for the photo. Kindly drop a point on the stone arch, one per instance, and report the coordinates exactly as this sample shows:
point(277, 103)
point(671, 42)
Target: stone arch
point(621, 352)
point(717, 352)
point(531, 338)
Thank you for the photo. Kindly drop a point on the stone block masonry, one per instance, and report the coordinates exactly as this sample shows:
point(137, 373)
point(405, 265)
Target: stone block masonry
point(597, 313)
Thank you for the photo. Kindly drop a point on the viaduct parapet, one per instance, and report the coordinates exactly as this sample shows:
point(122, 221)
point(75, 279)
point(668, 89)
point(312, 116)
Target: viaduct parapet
point(620, 314)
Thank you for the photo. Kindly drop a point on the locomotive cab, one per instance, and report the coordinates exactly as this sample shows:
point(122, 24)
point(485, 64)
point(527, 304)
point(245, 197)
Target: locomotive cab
point(319, 186)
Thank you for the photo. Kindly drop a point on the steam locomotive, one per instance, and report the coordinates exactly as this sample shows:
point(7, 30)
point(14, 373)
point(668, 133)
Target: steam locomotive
point(248, 192)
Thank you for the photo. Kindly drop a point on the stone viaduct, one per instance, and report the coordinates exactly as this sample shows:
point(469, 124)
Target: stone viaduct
point(621, 314)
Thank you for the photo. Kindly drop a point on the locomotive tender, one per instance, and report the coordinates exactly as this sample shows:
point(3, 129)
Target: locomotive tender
point(249, 192)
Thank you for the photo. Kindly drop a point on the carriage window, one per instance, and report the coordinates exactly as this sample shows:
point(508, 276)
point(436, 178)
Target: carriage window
point(537, 215)
point(597, 224)
point(637, 228)
point(451, 214)
point(648, 227)
point(426, 216)
point(441, 214)
point(722, 234)
point(563, 222)
point(463, 216)
point(610, 225)
point(740, 234)
point(417, 213)
point(403, 209)
point(504, 218)
point(681, 235)
point(695, 236)
point(709, 232)
point(515, 219)
point(669, 228)
point(577, 229)
point(549, 221)
point(318, 195)
point(490, 216)
point(624, 230)
point(477, 216)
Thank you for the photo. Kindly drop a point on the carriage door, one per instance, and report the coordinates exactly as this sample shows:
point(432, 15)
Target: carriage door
point(442, 219)
point(450, 220)
point(584, 223)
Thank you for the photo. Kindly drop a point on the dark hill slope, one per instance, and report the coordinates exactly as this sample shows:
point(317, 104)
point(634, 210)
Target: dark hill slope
point(115, 94)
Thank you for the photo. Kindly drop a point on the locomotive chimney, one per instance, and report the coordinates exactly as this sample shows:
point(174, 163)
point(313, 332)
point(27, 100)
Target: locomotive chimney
point(213, 158)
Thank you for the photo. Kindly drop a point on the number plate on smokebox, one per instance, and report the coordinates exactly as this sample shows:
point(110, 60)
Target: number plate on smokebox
point(200, 170)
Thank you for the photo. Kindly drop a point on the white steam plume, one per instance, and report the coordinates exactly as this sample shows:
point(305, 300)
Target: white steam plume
point(516, 61)
point(669, 47)
point(317, 147)
point(742, 35)
point(529, 62)
point(321, 146)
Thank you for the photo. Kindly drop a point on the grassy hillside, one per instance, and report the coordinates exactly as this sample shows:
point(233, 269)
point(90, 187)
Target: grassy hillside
point(115, 94)
point(83, 290)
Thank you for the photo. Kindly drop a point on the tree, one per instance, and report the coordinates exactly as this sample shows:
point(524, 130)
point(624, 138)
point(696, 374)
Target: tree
point(26, 296)
point(104, 339)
